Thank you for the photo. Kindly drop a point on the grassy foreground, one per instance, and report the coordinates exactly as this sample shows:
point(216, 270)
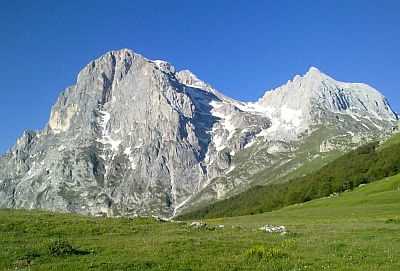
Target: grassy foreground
point(358, 230)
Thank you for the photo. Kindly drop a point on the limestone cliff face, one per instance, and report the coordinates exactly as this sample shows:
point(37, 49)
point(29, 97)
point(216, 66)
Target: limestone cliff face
point(133, 136)
point(123, 140)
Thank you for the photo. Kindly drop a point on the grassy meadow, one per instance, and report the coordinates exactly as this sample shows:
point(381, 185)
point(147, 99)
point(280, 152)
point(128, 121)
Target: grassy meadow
point(357, 230)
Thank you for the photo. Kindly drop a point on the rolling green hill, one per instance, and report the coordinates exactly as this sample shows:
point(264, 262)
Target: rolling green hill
point(358, 230)
point(366, 164)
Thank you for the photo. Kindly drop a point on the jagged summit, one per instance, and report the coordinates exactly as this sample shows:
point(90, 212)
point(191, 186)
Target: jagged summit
point(312, 78)
point(316, 91)
point(312, 71)
point(188, 78)
point(134, 136)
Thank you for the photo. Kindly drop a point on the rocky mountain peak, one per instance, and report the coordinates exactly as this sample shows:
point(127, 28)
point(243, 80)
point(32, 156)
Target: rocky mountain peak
point(314, 72)
point(313, 80)
point(309, 99)
point(133, 136)
point(189, 79)
point(164, 66)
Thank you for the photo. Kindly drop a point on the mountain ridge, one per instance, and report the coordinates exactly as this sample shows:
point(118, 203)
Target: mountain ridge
point(133, 136)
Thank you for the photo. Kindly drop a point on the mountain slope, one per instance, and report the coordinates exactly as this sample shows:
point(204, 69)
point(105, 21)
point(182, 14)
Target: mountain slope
point(133, 136)
point(373, 202)
point(364, 165)
point(314, 119)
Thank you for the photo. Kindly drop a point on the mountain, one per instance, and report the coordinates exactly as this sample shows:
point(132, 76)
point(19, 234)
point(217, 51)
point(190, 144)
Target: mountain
point(313, 119)
point(323, 97)
point(135, 137)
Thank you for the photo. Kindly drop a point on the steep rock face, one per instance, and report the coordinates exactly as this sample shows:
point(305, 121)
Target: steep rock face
point(121, 141)
point(133, 136)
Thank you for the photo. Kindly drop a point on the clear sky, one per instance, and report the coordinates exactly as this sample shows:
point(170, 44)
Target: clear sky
point(242, 48)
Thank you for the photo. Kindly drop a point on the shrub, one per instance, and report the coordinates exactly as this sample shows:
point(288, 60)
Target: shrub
point(61, 247)
point(395, 220)
point(261, 252)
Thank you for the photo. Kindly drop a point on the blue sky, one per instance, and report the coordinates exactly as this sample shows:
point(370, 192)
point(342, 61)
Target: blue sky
point(242, 48)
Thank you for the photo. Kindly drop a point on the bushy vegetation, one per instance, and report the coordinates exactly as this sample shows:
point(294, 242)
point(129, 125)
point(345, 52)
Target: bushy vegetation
point(395, 220)
point(61, 247)
point(363, 165)
point(261, 252)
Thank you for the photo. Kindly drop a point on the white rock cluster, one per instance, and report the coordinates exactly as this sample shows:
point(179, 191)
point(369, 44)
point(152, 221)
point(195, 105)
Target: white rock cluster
point(197, 224)
point(278, 229)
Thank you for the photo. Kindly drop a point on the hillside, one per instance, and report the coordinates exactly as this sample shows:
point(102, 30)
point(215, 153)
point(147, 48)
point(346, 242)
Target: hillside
point(366, 164)
point(359, 230)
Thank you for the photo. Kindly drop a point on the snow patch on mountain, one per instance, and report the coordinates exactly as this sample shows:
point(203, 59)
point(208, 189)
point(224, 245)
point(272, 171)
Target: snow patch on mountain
point(106, 139)
point(225, 123)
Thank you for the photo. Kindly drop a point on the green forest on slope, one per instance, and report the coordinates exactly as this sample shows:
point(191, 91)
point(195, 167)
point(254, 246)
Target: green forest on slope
point(366, 164)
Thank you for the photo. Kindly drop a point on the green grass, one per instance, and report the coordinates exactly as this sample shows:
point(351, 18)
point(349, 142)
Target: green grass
point(32, 240)
point(358, 230)
point(391, 141)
